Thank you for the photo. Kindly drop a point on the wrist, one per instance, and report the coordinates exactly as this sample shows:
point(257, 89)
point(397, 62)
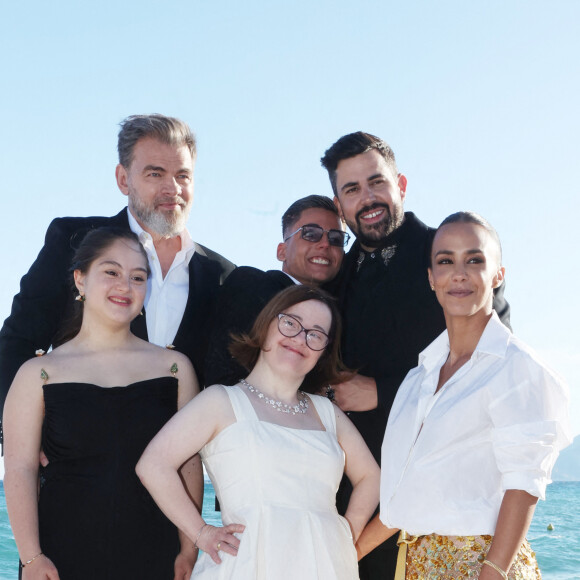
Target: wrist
point(31, 560)
point(495, 567)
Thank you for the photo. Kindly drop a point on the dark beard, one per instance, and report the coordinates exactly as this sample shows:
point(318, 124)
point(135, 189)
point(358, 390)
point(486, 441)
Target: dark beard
point(374, 235)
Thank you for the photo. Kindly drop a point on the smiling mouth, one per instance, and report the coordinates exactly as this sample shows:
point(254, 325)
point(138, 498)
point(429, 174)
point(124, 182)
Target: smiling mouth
point(373, 214)
point(122, 301)
point(460, 293)
point(320, 261)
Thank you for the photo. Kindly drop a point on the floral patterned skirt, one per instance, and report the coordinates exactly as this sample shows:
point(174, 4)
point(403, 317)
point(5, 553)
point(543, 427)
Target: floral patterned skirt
point(437, 557)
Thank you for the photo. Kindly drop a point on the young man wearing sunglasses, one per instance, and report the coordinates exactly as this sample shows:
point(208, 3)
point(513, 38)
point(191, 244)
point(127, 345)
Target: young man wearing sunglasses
point(311, 253)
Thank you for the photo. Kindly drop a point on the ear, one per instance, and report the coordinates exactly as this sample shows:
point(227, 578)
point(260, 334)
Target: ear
point(430, 276)
point(79, 279)
point(498, 278)
point(121, 176)
point(402, 182)
point(339, 208)
point(281, 252)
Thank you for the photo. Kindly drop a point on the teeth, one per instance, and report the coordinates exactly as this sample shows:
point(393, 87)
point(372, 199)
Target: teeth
point(120, 300)
point(373, 214)
point(322, 261)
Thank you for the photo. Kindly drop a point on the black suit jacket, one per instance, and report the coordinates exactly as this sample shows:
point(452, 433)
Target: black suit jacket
point(400, 316)
point(46, 298)
point(242, 297)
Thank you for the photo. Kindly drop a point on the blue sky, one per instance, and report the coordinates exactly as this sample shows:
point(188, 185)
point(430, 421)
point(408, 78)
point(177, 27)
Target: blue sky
point(478, 100)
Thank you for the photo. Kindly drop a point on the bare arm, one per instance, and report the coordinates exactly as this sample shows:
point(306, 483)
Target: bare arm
point(181, 438)
point(23, 416)
point(191, 473)
point(374, 534)
point(362, 471)
point(515, 516)
point(357, 394)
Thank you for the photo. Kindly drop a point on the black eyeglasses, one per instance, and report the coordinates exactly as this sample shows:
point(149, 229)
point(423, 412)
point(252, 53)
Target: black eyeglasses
point(314, 233)
point(290, 327)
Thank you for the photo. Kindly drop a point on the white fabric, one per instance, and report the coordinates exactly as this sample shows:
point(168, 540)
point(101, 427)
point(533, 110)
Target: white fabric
point(497, 424)
point(281, 484)
point(166, 297)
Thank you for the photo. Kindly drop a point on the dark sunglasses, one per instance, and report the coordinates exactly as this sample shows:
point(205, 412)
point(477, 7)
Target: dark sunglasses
point(314, 233)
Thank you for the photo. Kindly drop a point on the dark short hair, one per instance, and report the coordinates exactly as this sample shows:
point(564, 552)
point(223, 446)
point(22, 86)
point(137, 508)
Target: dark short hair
point(293, 213)
point(469, 217)
point(93, 245)
point(355, 144)
point(168, 130)
point(246, 348)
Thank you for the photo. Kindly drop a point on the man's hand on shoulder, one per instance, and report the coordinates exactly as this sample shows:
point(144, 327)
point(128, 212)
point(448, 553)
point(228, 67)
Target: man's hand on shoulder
point(357, 394)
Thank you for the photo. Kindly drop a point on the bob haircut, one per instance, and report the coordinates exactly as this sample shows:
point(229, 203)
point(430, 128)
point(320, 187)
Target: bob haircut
point(95, 243)
point(246, 348)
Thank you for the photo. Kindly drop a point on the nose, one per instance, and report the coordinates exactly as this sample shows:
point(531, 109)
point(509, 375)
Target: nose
point(123, 283)
point(459, 272)
point(171, 186)
point(323, 241)
point(369, 196)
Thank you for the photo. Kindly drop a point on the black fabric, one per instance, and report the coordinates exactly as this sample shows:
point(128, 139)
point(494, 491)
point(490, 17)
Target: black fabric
point(96, 520)
point(390, 315)
point(241, 298)
point(45, 300)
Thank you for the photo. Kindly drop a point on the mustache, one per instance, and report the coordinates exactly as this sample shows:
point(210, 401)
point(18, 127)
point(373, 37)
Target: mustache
point(368, 208)
point(176, 200)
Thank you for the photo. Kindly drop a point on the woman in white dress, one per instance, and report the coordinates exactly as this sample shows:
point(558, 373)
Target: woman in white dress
point(275, 453)
point(474, 431)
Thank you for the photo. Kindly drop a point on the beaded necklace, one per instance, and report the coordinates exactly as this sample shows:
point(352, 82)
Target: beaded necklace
point(302, 406)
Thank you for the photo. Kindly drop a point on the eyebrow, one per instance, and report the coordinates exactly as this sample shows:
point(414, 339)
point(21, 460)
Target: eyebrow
point(450, 253)
point(315, 327)
point(352, 183)
point(113, 263)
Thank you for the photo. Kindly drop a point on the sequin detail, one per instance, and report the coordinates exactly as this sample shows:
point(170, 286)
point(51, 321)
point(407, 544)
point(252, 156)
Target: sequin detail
point(437, 557)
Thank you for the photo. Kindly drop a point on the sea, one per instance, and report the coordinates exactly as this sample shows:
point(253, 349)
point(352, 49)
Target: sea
point(557, 551)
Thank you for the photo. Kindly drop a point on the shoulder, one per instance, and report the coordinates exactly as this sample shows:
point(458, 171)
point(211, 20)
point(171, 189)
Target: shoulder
point(75, 228)
point(210, 257)
point(31, 372)
point(523, 359)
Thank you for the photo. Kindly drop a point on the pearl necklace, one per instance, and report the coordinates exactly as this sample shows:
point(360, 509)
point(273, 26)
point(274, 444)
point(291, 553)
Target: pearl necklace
point(302, 406)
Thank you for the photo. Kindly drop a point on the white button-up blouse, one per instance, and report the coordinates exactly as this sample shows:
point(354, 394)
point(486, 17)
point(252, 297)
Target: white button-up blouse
point(497, 424)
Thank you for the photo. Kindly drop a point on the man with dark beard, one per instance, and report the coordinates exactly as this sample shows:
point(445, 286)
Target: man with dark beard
point(390, 313)
point(155, 171)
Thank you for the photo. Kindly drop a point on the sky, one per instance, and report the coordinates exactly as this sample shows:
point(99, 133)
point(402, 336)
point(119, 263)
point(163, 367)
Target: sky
point(478, 100)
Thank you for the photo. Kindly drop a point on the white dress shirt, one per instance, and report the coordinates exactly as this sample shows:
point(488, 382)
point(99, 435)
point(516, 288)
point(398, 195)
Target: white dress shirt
point(166, 297)
point(498, 423)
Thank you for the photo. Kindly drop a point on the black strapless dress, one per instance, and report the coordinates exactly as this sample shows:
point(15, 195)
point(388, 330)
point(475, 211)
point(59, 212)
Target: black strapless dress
point(96, 519)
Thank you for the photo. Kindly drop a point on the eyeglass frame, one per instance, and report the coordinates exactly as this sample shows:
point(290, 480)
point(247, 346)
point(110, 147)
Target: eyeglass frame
point(301, 228)
point(304, 330)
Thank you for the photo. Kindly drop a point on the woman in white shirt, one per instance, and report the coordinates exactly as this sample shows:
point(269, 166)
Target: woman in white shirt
point(474, 431)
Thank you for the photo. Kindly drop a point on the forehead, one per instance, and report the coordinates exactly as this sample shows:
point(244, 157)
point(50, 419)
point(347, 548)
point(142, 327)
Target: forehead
point(312, 313)
point(125, 252)
point(149, 151)
point(460, 237)
point(328, 220)
point(361, 167)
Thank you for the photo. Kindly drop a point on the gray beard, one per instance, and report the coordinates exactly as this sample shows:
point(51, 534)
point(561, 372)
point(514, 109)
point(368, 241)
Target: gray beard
point(166, 225)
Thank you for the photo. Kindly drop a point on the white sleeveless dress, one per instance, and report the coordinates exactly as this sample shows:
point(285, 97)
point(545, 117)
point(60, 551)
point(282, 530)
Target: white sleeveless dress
point(281, 484)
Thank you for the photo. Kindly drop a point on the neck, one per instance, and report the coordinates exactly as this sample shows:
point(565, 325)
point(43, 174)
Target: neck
point(273, 384)
point(95, 335)
point(464, 333)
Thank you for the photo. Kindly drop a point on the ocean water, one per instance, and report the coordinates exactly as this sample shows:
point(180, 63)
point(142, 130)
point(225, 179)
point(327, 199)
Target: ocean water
point(558, 551)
